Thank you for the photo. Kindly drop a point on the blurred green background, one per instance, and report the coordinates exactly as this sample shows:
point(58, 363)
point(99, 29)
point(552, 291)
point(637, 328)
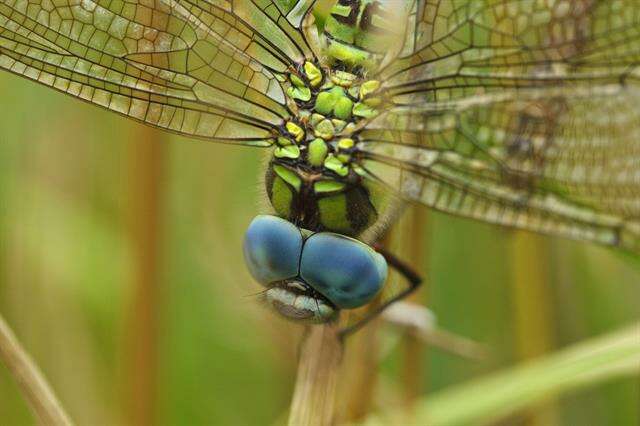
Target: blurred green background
point(121, 272)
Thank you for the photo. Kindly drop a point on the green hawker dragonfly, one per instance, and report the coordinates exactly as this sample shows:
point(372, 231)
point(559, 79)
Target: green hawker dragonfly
point(521, 113)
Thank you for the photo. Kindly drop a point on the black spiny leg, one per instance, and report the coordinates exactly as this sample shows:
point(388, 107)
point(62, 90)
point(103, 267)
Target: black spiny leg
point(406, 271)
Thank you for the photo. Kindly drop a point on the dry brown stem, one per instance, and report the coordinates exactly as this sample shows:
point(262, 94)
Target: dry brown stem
point(32, 383)
point(146, 156)
point(314, 395)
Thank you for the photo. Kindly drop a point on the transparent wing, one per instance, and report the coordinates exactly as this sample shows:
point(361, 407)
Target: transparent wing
point(519, 113)
point(203, 68)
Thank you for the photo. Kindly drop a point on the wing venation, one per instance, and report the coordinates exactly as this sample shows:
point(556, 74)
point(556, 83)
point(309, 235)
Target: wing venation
point(519, 113)
point(203, 68)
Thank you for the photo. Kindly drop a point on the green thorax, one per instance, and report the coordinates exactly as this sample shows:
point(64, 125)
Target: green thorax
point(320, 202)
point(315, 178)
point(330, 108)
point(359, 33)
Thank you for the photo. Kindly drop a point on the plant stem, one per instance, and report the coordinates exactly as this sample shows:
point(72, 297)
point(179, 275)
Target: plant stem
point(32, 383)
point(146, 156)
point(532, 311)
point(413, 356)
point(419, 321)
point(359, 374)
point(314, 395)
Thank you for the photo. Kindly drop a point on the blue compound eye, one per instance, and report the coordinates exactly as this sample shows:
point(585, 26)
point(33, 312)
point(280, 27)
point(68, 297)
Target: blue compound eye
point(345, 271)
point(272, 249)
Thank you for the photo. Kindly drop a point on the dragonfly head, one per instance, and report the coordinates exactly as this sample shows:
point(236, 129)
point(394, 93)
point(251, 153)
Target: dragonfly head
point(310, 276)
point(296, 300)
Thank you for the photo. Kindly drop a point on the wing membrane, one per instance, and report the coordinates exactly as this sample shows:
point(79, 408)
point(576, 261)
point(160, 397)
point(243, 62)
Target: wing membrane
point(576, 176)
point(519, 113)
point(207, 69)
point(461, 47)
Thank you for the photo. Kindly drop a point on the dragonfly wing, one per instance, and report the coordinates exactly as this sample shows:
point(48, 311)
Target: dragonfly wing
point(518, 114)
point(206, 69)
point(580, 178)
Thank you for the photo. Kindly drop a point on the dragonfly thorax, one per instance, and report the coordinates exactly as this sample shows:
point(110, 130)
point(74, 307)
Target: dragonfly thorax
point(359, 34)
point(329, 110)
point(320, 201)
point(314, 178)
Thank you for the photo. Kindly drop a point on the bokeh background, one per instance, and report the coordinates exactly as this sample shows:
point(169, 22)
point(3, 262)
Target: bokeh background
point(121, 272)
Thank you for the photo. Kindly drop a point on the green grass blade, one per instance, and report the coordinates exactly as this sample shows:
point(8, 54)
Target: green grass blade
point(489, 398)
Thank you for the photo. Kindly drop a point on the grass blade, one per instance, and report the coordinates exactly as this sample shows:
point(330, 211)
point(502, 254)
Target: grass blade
point(490, 398)
point(34, 386)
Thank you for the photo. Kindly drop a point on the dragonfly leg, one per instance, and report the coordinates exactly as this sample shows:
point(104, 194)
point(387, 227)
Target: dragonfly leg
point(412, 277)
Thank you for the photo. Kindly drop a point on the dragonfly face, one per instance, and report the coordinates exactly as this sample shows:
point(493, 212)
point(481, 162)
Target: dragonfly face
point(523, 114)
point(309, 276)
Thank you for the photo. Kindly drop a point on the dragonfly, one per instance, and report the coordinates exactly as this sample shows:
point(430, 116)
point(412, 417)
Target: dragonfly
point(520, 113)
